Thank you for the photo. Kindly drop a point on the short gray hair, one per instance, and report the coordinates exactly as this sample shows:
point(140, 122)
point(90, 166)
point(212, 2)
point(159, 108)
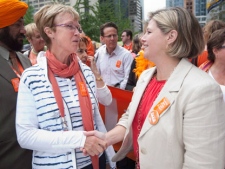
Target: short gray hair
point(45, 17)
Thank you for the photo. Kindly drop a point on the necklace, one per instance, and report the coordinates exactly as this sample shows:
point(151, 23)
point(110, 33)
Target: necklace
point(33, 51)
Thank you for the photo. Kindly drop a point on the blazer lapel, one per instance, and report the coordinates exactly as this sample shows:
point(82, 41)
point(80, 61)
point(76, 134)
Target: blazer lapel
point(140, 88)
point(165, 93)
point(6, 71)
point(169, 91)
point(23, 60)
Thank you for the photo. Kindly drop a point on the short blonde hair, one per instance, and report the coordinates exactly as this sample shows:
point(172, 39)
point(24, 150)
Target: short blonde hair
point(45, 17)
point(189, 42)
point(30, 28)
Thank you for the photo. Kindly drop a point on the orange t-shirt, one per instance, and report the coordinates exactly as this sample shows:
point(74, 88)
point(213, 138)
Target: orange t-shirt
point(202, 57)
point(90, 50)
point(128, 47)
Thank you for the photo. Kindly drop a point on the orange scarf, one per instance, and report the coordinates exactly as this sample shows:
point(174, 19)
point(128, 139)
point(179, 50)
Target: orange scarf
point(63, 70)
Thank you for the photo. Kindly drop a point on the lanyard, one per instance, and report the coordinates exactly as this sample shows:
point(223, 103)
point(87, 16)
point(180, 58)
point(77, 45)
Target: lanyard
point(58, 97)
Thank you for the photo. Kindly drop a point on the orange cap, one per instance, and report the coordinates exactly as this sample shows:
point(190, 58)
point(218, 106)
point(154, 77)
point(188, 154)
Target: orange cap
point(11, 11)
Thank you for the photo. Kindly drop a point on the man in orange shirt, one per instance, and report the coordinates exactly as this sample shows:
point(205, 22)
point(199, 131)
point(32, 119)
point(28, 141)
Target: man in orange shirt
point(127, 39)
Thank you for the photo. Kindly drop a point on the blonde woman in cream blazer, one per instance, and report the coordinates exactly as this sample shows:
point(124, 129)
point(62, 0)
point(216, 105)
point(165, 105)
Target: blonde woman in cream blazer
point(190, 132)
point(176, 117)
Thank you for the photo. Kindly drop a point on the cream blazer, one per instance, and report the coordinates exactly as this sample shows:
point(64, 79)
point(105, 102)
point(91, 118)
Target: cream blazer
point(190, 133)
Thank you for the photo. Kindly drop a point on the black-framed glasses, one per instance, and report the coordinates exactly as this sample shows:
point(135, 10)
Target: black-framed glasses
point(222, 47)
point(113, 35)
point(70, 27)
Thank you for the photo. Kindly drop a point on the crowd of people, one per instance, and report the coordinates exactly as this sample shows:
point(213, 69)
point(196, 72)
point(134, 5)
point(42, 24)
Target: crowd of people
point(50, 94)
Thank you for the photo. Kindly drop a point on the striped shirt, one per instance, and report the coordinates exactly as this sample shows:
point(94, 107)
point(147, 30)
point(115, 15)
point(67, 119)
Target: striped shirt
point(39, 125)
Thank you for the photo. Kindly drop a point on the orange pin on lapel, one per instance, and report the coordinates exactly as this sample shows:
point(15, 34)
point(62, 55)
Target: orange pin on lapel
point(157, 110)
point(153, 117)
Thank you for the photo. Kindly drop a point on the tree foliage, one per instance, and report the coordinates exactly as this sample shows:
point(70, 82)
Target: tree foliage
point(92, 17)
point(29, 16)
point(217, 12)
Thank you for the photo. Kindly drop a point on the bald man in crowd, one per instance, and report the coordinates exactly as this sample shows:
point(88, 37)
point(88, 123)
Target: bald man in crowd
point(12, 64)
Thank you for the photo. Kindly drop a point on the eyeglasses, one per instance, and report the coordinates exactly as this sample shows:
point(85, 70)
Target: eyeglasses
point(109, 36)
point(70, 27)
point(222, 47)
point(82, 50)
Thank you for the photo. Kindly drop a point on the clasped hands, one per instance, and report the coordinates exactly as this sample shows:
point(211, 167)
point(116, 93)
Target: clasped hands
point(95, 143)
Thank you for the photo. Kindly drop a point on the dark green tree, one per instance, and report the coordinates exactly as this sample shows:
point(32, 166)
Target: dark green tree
point(121, 18)
point(92, 17)
point(29, 16)
point(217, 12)
point(87, 19)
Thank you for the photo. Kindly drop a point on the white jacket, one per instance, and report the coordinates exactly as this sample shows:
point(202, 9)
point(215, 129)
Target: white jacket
point(38, 123)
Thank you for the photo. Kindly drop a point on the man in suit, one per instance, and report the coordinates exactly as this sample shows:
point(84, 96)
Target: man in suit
point(12, 64)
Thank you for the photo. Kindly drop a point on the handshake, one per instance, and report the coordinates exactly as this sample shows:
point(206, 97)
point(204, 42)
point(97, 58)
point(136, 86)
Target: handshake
point(95, 143)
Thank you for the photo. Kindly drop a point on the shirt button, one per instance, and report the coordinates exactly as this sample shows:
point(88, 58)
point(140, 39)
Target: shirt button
point(143, 151)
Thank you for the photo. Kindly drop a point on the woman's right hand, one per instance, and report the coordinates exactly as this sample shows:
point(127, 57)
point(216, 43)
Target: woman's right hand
point(95, 143)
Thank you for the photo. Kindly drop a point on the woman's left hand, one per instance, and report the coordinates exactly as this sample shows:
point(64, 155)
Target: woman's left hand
point(93, 66)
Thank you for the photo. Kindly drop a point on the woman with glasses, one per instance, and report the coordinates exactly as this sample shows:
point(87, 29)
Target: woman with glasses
point(215, 66)
point(57, 99)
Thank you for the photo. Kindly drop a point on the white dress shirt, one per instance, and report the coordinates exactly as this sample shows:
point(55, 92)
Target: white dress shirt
point(114, 68)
